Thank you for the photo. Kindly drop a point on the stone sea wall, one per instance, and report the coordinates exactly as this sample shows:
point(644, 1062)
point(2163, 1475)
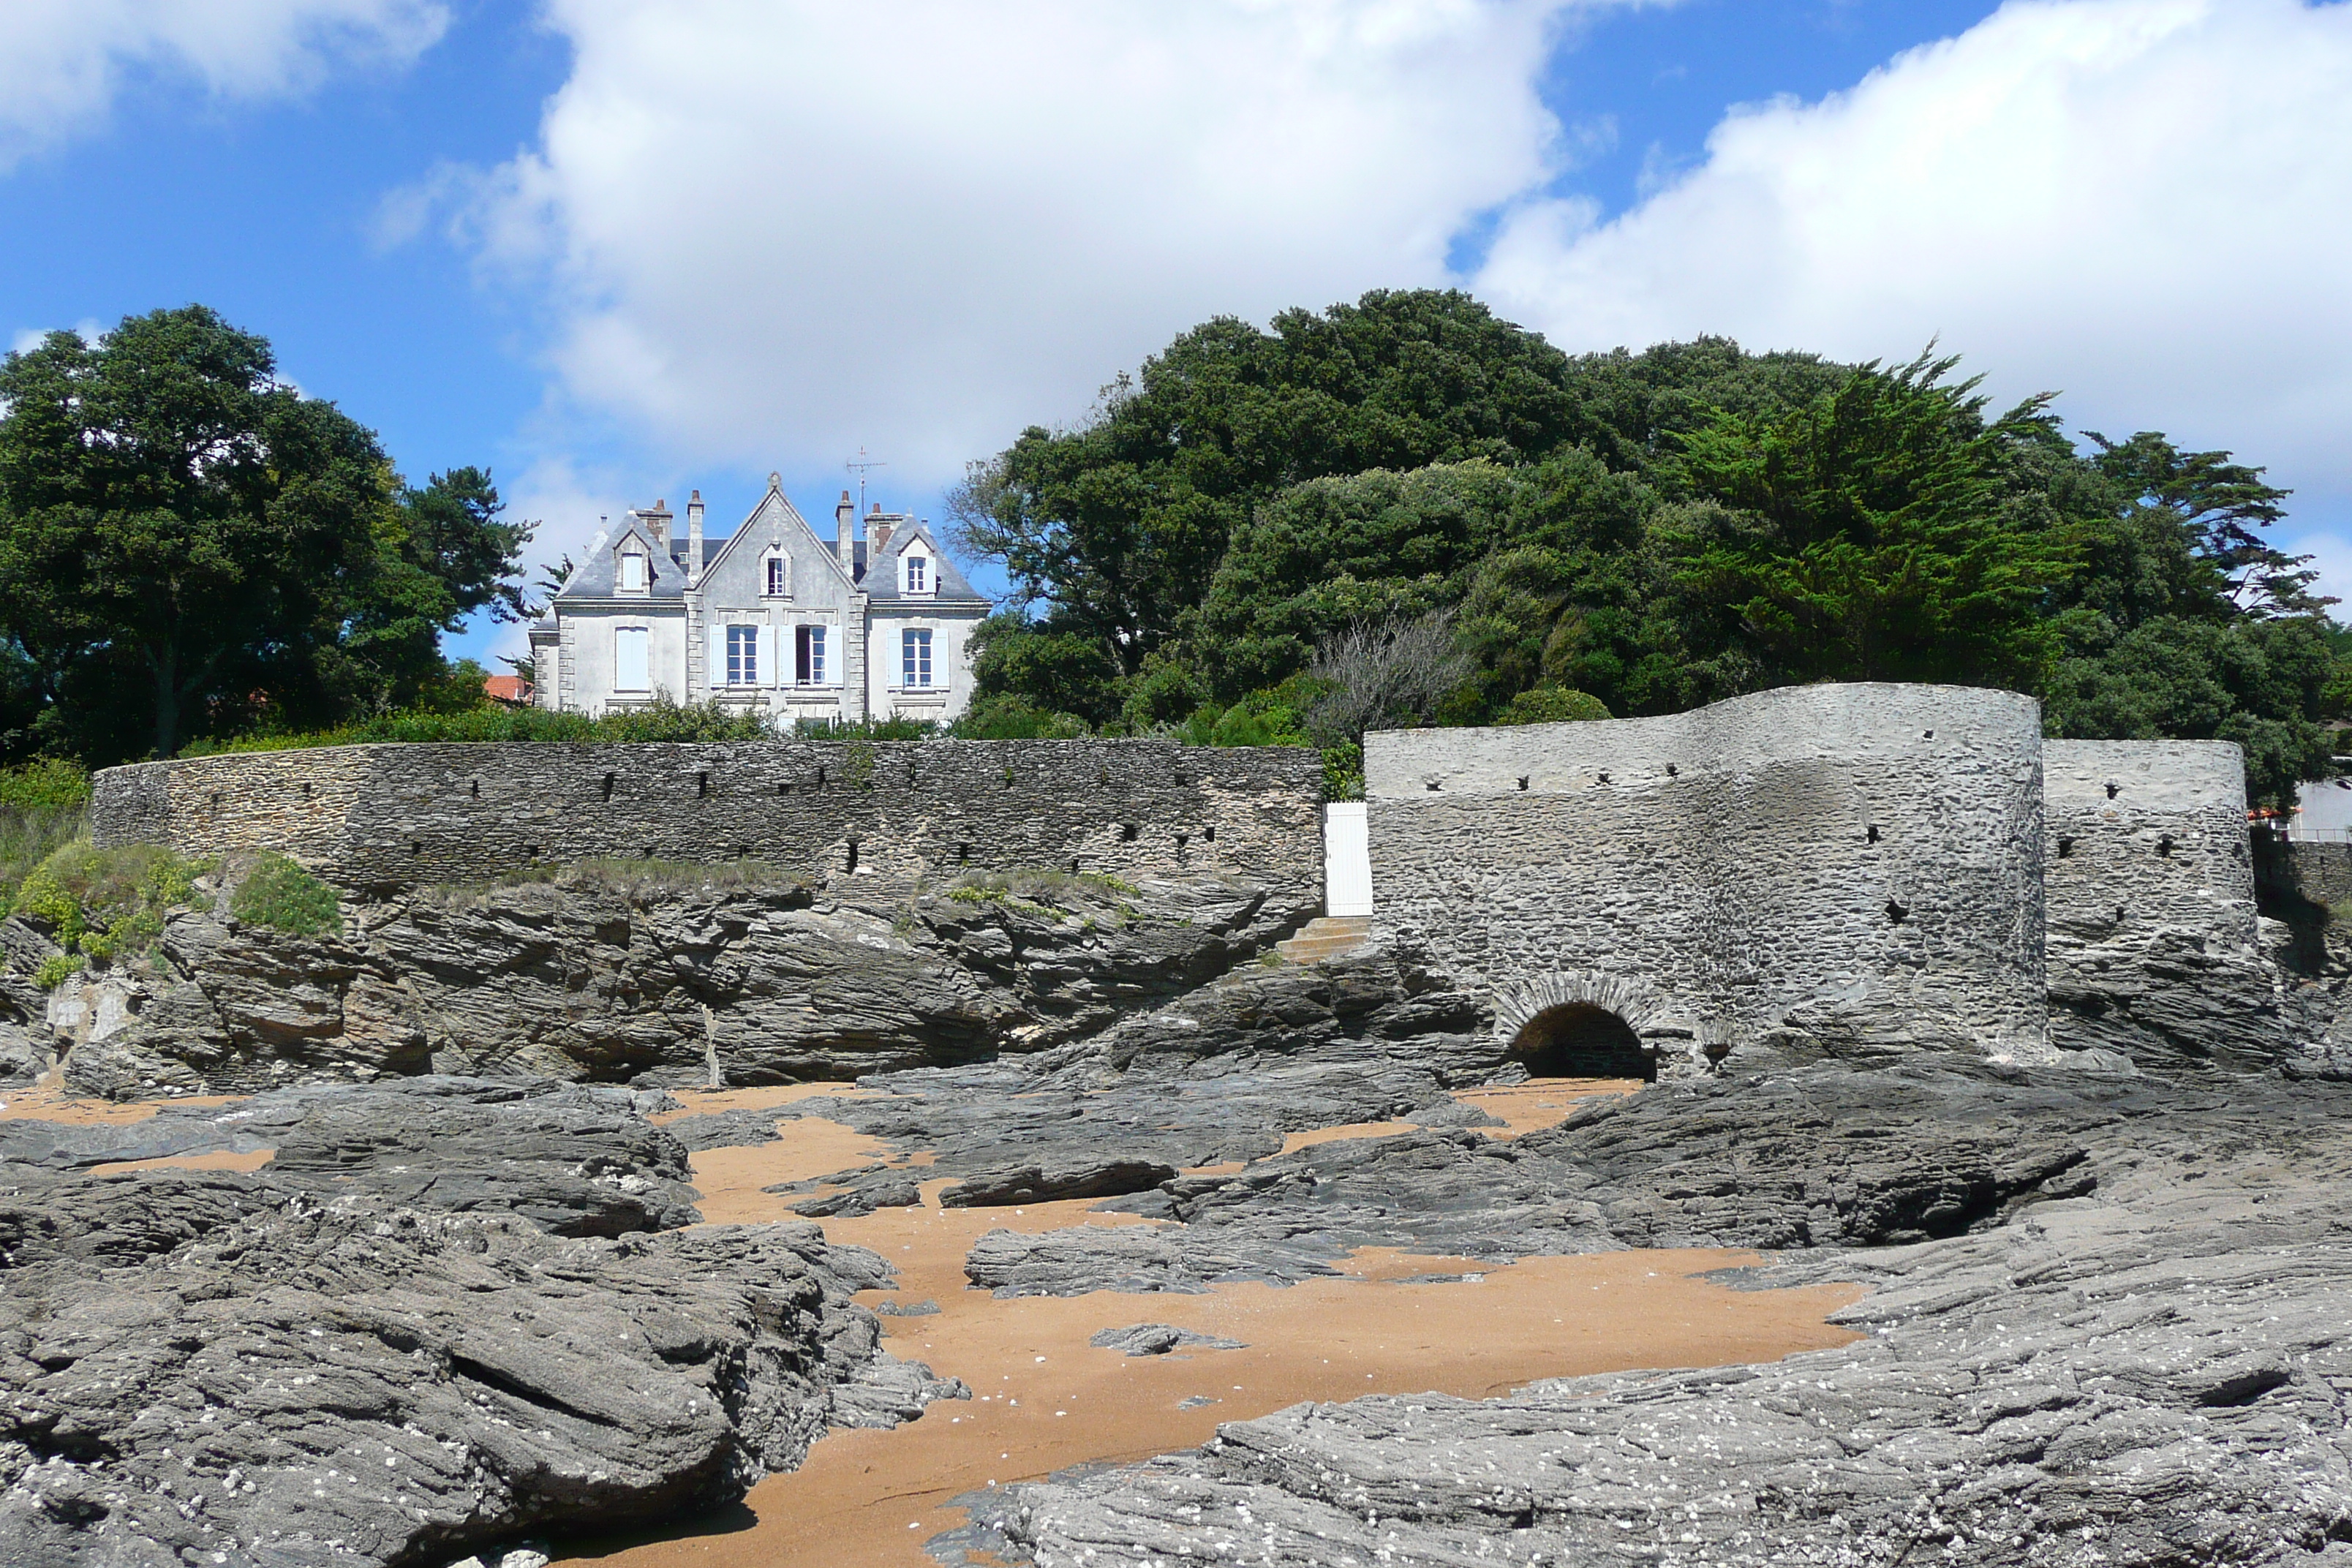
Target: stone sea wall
point(386, 816)
point(1859, 865)
point(2154, 943)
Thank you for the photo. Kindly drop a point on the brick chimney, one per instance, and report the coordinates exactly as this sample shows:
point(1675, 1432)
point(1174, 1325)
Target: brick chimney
point(845, 535)
point(694, 540)
point(878, 533)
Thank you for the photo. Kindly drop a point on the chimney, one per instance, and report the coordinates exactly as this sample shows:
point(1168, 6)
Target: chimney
point(878, 533)
point(845, 535)
point(694, 540)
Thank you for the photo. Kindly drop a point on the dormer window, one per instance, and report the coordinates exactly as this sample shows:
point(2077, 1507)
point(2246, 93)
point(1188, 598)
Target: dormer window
point(918, 574)
point(633, 571)
point(777, 577)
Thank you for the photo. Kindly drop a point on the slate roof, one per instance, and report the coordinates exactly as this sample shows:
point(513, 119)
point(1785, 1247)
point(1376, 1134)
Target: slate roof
point(952, 587)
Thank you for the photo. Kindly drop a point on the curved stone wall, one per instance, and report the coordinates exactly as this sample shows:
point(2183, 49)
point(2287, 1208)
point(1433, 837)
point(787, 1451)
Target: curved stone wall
point(1856, 868)
point(388, 816)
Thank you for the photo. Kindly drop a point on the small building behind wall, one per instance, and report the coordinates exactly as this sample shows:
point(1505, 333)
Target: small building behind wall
point(1849, 869)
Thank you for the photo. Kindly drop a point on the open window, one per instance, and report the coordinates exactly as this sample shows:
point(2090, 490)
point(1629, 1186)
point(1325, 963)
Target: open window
point(808, 655)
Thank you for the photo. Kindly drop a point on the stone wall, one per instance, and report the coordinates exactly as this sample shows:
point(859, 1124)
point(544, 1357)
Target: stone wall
point(383, 816)
point(2154, 945)
point(1851, 870)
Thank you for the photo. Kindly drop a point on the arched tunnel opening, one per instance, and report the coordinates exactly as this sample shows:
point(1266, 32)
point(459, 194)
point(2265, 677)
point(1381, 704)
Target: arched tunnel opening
point(1582, 1040)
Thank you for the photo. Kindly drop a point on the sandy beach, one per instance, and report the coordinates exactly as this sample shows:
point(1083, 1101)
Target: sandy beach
point(1044, 1399)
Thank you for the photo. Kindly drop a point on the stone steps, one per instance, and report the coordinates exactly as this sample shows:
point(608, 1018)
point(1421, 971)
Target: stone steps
point(1327, 936)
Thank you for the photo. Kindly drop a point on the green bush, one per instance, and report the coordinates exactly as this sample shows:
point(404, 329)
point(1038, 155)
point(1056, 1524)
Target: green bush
point(1552, 705)
point(864, 729)
point(278, 893)
point(56, 970)
point(108, 904)
point(52, 785)
point(661, 720)
point(1017, 719)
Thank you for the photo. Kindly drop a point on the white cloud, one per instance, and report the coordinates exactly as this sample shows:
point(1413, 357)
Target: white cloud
point(784, 229)
point(62, 61)
point(2145, 204)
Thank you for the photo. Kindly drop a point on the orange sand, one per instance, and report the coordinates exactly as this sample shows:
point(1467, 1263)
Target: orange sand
point(1540, 1103)
point(1044, 1399)
point(46, 1100)
point(251, 1159)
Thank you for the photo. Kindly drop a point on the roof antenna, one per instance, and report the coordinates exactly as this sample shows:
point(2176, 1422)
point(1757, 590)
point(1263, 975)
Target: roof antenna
point(858, 465)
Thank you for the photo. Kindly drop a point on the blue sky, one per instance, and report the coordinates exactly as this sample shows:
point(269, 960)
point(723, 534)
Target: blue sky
point(618, 251)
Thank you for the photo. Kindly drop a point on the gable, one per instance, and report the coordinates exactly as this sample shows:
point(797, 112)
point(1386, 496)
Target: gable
point(887, 577)
point(737, 573)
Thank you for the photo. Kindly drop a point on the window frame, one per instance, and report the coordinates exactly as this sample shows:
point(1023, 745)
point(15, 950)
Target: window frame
point(776, 575)
point(742, 655)
point(621, 583)
point(917, 562)
point(910, 640)
point(809, 641)
point(647, 644)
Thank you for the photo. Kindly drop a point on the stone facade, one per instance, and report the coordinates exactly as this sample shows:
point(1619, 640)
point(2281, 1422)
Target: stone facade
point(2154, 945)
point(1852, 869)
point(384, 816)
point(770, 619)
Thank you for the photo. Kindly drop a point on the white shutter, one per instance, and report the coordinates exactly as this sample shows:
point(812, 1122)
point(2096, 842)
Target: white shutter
point(718, 664)
point(771, 671)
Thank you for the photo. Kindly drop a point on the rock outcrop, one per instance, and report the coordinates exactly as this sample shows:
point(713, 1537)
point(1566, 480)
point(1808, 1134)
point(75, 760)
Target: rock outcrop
point(589, 976)
point(447, 1312)
point(2144, 1361)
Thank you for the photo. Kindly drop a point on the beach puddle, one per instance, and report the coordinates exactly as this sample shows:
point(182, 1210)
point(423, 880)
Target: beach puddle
point(1045, 1398)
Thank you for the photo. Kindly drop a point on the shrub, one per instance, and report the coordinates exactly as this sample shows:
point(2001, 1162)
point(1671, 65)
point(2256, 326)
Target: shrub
point(107, 903)
point(1015, 718)
point(56, 970)
point(52, 785)
point(277, 892)
point(662, 719)
point(1552, 705)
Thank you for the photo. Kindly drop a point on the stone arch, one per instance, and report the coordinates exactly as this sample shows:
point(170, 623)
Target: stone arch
point(1582, 1040)
point(1575, 1013)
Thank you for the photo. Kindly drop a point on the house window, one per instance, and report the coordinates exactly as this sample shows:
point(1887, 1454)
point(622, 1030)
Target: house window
point(915, 657)
point(632, 658)
point(742, 656)
point(808, 655)
point(777, 581)
point(918, 574)
point(633, 572)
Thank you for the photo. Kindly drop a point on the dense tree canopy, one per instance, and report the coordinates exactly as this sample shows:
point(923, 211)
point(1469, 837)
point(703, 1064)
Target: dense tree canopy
point(1634, 533)
point(188, 545)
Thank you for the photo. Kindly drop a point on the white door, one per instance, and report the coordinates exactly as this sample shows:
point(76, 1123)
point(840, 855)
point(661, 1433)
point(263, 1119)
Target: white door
point(1347, 860)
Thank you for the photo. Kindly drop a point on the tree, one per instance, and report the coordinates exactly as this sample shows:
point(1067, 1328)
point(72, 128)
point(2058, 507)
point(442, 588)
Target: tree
point(1872, 534)
point(1115, 528)
point(186, 542)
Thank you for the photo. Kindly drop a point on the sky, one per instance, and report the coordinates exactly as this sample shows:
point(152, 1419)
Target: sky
point(620, 249)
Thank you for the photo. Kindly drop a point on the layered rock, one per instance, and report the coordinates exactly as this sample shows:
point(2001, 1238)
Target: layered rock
point(591, 977)
point(442, 1316)
point(2141, 1359)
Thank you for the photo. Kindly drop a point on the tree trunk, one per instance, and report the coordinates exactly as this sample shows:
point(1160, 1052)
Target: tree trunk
point(166, 664)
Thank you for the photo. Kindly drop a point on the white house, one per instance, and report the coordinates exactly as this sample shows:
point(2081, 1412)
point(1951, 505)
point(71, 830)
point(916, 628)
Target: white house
point(771, 618)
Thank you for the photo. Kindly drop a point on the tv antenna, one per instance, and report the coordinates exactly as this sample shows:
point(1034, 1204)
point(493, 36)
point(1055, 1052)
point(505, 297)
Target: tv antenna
point(858, 466)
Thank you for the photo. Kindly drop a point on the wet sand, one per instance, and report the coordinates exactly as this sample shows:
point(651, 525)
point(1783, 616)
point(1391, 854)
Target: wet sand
point(224, 1160)
point(46, 1100)
point(1044, 1399)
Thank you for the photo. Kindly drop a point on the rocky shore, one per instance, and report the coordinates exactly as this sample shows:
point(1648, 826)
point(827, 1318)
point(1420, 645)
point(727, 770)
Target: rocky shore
point(467, 1300)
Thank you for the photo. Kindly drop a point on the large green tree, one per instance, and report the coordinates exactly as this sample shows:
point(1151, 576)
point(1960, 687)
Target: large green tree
point(1873, 533)
point(186, 539)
